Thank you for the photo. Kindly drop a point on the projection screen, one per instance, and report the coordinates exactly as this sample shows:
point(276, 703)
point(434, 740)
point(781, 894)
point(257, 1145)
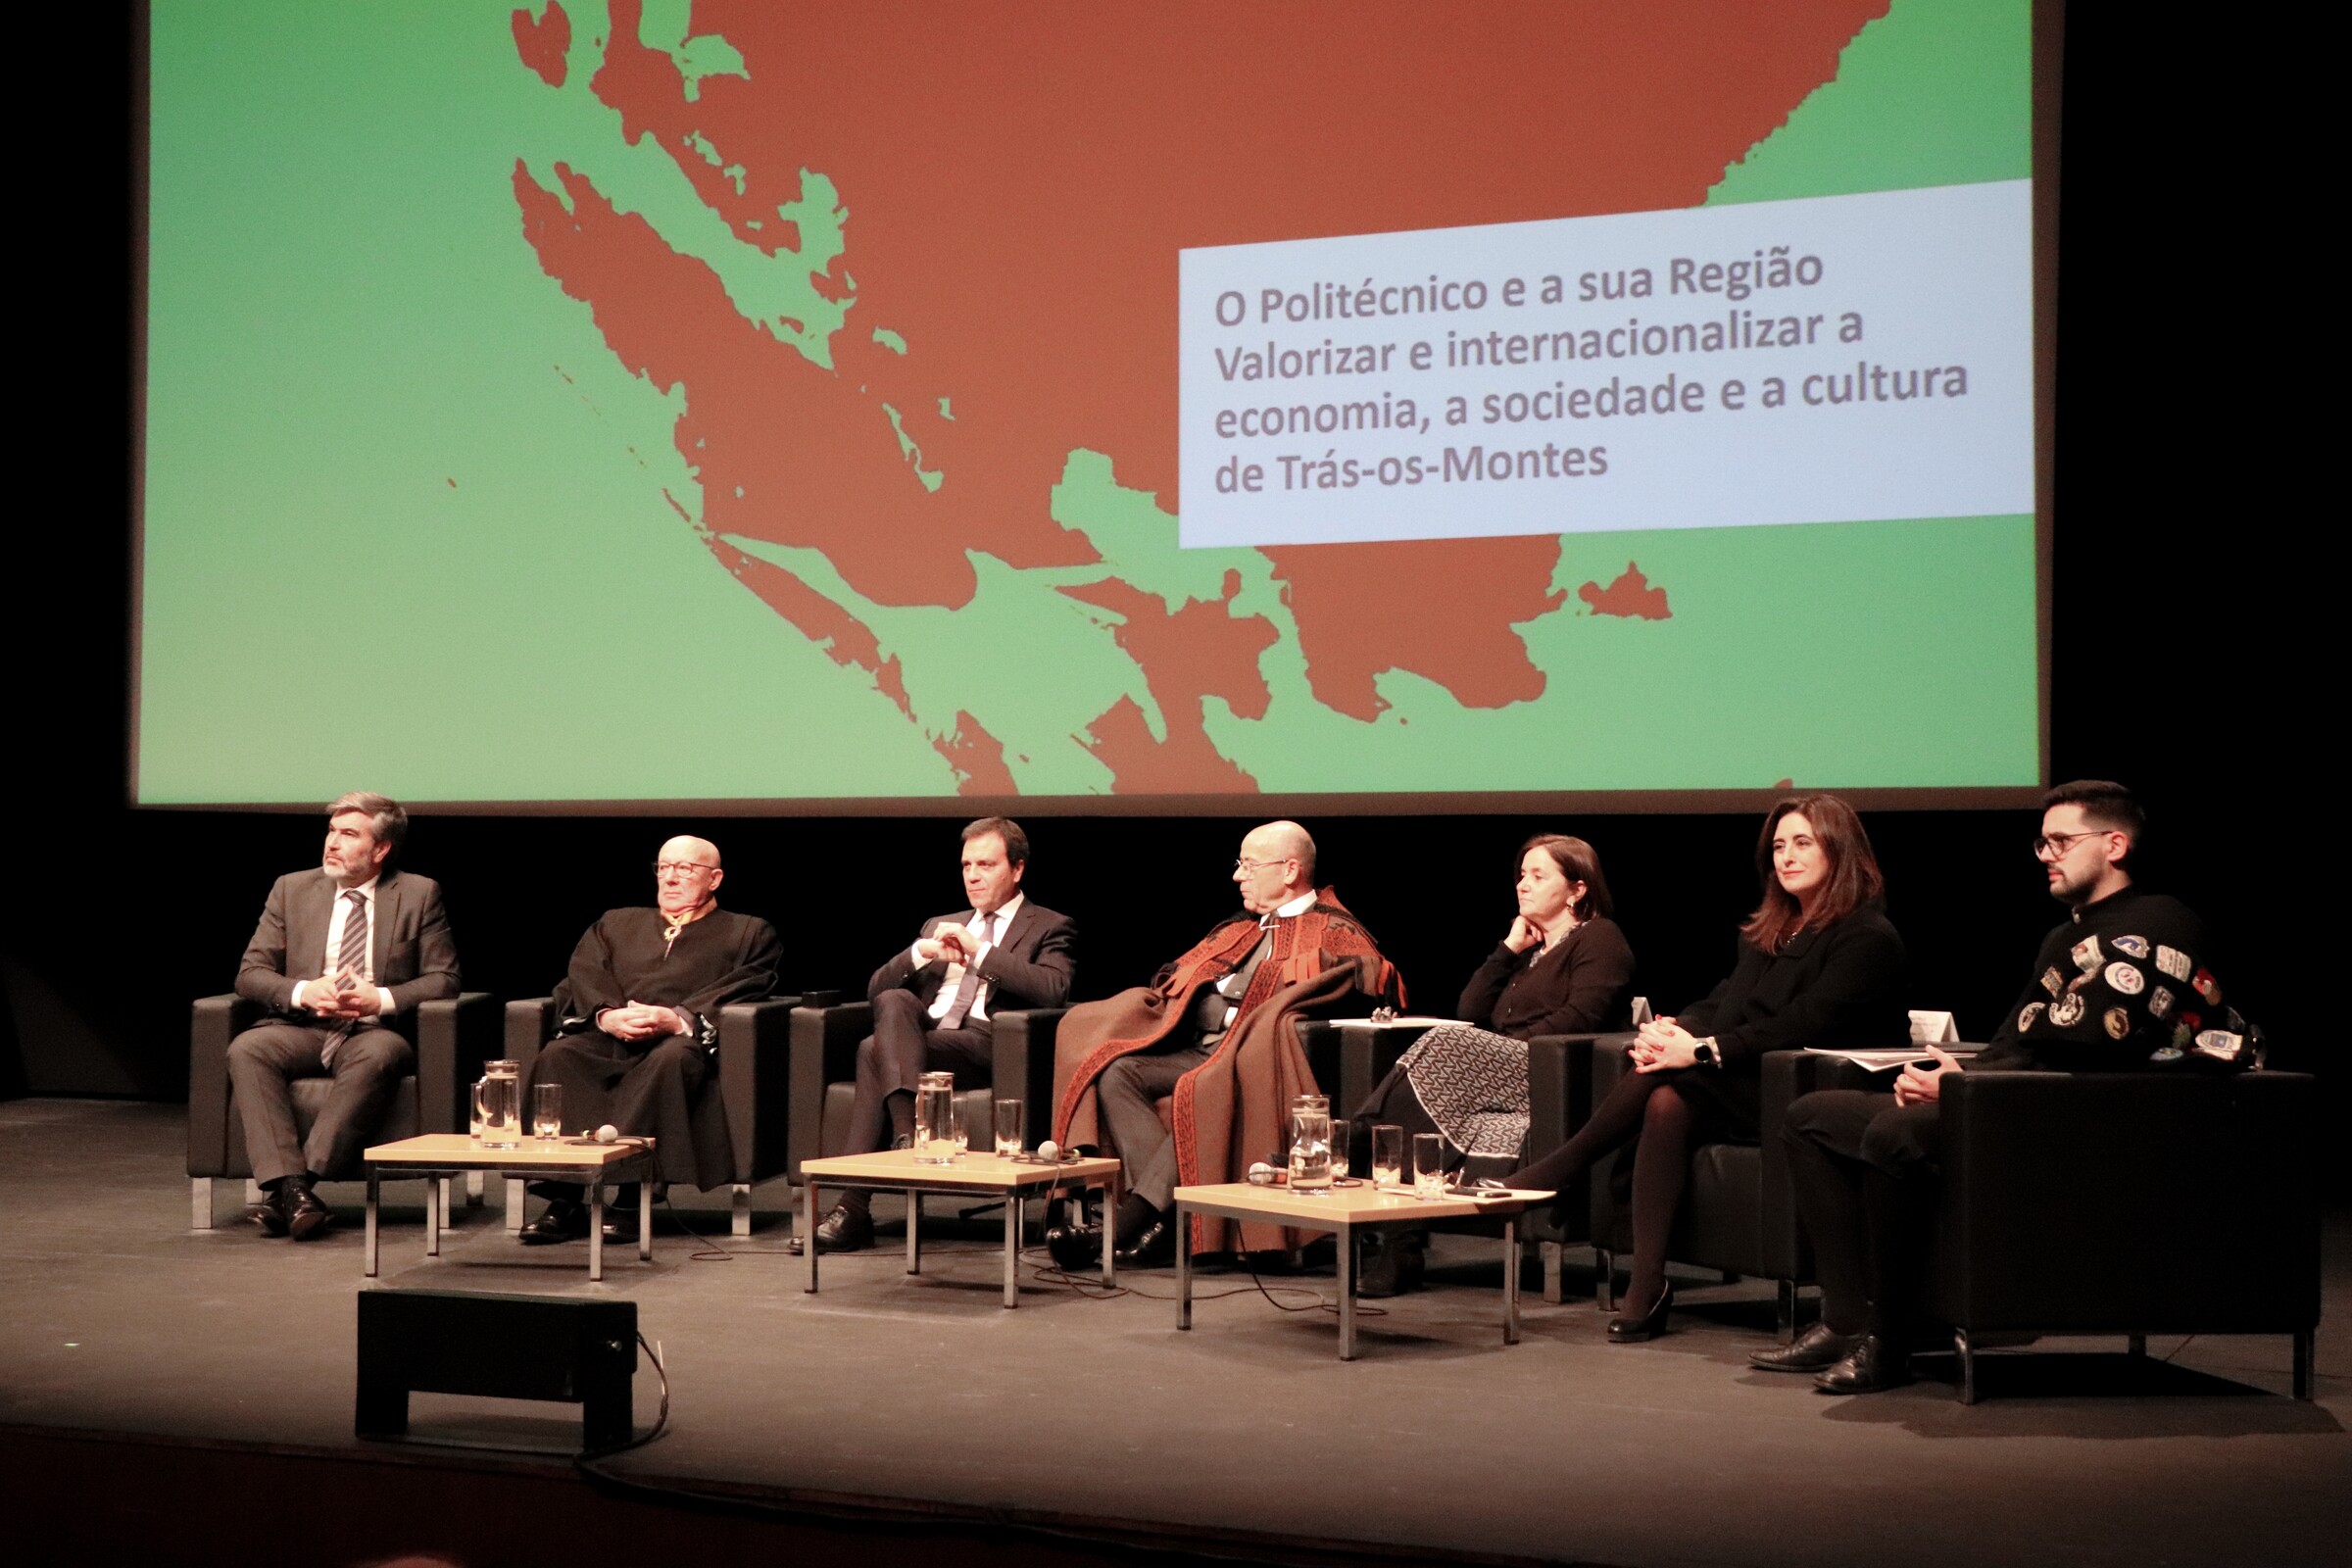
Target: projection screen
point(1153, 407)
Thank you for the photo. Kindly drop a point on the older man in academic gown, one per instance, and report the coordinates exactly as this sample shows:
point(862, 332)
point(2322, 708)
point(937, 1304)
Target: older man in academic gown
point(638, 1043)
point(1214, 1036)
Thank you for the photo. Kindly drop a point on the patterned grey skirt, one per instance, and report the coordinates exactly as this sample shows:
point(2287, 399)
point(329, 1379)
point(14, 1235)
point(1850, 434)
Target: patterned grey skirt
point(1472, 1083)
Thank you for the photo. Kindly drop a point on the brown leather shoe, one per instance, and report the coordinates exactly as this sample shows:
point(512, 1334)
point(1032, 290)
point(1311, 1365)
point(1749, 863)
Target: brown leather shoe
point(1817, 1350)
point(274, 1213)
point(1873, 1364)
point(305, 1217)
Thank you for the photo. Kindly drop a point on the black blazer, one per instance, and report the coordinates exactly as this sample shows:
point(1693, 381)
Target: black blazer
point(1841, 986)
point(1032, 965)
point(411, 952)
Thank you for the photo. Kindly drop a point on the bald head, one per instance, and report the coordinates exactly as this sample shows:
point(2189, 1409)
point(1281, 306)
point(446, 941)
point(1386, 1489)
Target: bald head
point(686, 847)
point(1277, 864)
point(686, 874)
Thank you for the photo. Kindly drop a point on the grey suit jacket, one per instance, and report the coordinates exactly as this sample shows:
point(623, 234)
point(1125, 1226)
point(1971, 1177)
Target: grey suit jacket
point(412, 950)
point(1031, 965)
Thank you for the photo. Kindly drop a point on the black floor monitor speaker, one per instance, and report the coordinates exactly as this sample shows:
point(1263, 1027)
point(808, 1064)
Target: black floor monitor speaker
point(496, 1347)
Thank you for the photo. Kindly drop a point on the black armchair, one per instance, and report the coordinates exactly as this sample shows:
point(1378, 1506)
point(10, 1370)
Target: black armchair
point(824, 1073)
point(754, 1083)
point(2130, 1203)
point(453, 1039)
point(1559, 1084)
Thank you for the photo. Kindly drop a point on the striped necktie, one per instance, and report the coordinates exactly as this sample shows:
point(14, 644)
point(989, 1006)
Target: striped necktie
point(967, 990)
point(351, 958)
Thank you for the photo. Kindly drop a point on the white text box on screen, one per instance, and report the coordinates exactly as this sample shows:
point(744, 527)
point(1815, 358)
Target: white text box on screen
point(1827, 360)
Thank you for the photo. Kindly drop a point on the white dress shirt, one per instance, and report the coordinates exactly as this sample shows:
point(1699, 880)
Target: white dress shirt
point(990, 932)
point(333, 955)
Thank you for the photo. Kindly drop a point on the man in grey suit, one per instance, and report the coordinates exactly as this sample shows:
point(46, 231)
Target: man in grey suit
point(932, 1001)
point(342, 952)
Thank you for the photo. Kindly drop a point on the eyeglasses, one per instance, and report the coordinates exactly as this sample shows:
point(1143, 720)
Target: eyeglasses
point(1248, 867)
point(663, 868)
point(2055, 846)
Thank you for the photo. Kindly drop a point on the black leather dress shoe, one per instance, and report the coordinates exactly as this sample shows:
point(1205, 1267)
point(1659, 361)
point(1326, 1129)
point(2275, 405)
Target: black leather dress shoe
point(1649, 1326)
point(1153, 1248)
point(1075, 1249)
point(274, 1212)
point(1393, 1263)
point(306, 1215)
point(1874, 1363)
point(842, 1230)
point(564, 1221)
point(1817, 1350)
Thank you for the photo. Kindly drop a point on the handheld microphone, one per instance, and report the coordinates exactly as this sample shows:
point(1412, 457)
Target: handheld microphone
point(608, 1134)
point(1050, 1151)
point(1263, 1174)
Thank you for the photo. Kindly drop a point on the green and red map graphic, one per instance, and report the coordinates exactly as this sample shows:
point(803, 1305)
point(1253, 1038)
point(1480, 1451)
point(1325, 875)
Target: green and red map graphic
point(747, 400)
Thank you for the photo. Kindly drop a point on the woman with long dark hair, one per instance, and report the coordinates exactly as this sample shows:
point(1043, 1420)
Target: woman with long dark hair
point(1563, 967)
point(1819, 964)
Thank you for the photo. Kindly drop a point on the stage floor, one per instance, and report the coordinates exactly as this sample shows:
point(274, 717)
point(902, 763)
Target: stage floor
point(1436, 1442)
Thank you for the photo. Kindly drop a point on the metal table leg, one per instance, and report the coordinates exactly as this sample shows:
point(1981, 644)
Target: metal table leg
point(596, 1227)
point(914, 1232)
point(1012, 1248)
point(1511, 1280)
point(1111, 1245)
point(432, 1216)
point(1346, 1260)
point(375, 1193)
point(808, 1232)
point(645, 1218)
point(1184, 1268)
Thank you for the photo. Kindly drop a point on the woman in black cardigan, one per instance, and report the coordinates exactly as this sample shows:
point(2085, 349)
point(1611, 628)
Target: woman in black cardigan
point(1818, 966)
point(1562, 968)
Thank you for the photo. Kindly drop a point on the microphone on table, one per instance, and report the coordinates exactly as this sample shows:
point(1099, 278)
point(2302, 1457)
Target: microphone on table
point(1263, 1174)
point(608, 1134)
point(1050, 1151)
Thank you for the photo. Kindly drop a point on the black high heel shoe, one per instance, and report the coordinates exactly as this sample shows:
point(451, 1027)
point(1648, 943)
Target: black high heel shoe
point(1634, 1329)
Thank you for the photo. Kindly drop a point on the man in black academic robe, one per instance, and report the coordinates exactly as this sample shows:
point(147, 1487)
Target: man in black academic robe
point(637, 1044)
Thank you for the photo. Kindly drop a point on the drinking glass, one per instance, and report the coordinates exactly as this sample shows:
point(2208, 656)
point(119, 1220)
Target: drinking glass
point(1429, 1166)
point(1310, 1145)
point(1008, 1127)
point(933, 1138)
point(547, 1112)
point(959, 1132)
point(1341, 1133)
point(1387, 1157)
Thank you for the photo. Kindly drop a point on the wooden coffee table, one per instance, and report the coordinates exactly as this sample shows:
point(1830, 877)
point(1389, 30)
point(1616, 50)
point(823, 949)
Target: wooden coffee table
point(995, 1175)
point(562, 1159)
point(1344, 1211)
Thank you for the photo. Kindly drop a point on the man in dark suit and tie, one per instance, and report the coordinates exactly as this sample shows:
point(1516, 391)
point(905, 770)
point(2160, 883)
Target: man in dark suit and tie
point(933, 999)
point(342, 952)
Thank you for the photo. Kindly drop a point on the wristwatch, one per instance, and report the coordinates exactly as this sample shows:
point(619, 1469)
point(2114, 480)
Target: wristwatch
point(1705, 1054)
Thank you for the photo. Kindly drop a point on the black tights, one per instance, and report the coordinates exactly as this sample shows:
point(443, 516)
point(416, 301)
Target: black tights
point(1645, 1109)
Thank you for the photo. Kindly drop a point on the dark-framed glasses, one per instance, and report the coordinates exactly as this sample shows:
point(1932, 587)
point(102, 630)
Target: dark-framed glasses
point(1250, 867)
point(2054, 846)
point(663, 868)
